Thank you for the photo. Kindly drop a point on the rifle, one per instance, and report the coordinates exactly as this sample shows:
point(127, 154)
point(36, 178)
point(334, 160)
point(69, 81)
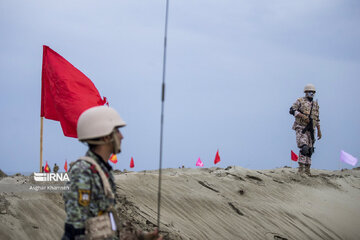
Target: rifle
point(310, 126)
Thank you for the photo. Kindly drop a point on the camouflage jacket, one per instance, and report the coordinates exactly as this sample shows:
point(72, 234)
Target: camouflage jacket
point(303, 105)
point(86, 197)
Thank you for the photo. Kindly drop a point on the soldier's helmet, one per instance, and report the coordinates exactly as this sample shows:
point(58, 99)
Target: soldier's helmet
point(309, 88)
point(97, 122)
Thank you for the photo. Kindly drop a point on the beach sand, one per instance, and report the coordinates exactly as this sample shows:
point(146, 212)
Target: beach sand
point(209, 203)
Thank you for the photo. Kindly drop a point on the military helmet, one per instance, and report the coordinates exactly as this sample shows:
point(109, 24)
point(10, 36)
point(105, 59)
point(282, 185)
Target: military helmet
point(98, 121)
point(309, 87)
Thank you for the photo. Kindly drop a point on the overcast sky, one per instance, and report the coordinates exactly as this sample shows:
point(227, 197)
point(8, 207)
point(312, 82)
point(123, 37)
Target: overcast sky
point(233, 70)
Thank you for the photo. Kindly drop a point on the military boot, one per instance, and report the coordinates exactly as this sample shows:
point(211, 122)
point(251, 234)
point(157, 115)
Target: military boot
point(301, 168)
point(307, 170)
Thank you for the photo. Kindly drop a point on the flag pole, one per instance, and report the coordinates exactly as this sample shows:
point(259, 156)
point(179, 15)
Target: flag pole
point(162, 114)
point(41, 142)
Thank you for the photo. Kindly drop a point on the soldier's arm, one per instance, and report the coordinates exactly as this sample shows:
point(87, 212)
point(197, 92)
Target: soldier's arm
point(318, 117)
point(317, 123)
point(295, 107)
point(77, 199)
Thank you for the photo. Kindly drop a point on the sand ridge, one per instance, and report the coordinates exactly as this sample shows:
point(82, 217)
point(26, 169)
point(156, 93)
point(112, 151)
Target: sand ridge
point(207, 203)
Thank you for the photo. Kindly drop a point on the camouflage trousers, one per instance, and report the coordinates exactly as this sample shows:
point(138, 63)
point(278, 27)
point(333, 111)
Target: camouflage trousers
point(303, 139)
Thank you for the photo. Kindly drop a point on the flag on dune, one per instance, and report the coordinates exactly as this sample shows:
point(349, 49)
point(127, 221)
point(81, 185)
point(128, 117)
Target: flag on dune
point(199, 163)
point(348, 158)
point(65, 92)
point(132, 165)
point(294, 157)
point(46, 168)
point(113, 158)
point(65, 166)
point(217, 157)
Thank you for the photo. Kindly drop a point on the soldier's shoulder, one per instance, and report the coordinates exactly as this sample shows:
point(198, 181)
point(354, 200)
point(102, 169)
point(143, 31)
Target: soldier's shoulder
point(297, 102)
point(301, 99)
point(80, 166)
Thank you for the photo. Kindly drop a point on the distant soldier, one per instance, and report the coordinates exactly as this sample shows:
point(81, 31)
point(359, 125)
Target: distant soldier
point(306, 112)
point(90, 202)
point(56, 168)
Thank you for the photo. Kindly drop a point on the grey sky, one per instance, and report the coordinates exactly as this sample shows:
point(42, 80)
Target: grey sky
point(234, 68)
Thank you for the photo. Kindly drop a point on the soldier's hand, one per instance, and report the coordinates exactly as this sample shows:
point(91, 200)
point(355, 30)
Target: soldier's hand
point(303, 117)
point(153, 235)
point(319, 135)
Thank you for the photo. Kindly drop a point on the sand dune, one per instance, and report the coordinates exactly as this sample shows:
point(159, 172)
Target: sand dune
point(231, 203)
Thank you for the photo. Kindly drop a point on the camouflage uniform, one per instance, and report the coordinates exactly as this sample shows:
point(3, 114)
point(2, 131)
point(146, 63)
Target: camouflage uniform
point(86, 197)
point(303, 105)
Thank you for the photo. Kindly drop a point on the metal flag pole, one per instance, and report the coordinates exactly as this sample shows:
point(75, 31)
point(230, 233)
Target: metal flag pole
point(41, 142)
point(162, 114)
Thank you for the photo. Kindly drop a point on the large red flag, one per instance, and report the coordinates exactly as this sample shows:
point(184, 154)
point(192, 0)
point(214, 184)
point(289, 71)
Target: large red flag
point(217, 157)
point(65, 92)
point(294, 157)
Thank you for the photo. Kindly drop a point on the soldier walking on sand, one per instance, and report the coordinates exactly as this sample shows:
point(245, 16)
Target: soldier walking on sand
point(306, 113)
point(90, 202)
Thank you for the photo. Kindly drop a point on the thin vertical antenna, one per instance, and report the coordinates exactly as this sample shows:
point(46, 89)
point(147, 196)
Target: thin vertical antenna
point(162, 113)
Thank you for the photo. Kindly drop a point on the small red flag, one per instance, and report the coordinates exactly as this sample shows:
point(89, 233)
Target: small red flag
point(65, 166)
point(217, 157)
point(46, 168)
point(132, 165)
point(294, 157)
point(113, 158)
point(65, 92)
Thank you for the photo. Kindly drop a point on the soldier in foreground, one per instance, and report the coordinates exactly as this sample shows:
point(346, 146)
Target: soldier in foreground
point(306, 113)
point(90, 202)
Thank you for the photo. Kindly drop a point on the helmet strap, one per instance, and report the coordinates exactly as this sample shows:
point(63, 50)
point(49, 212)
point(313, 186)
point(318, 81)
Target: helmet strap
point(114, 140)
point(95, 142)
point(116, 143)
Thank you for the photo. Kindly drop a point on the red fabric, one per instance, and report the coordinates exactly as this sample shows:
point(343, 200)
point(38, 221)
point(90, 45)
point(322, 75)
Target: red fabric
point(65, 166)
point(65, 92)
point(46, 168)
point(113, 158)
point(217, 157)
point(132, 165)
point(294, 157)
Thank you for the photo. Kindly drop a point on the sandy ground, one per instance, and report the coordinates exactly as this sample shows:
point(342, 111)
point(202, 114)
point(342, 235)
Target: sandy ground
point(231, 203)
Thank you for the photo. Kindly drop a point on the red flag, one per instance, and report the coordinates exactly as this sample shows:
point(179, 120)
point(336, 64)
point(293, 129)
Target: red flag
point(132, 165)
point(65, 92)
point(217, 157)
point(65, 166)
point(46, 168)
point(113, 158)
point(294, 157)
